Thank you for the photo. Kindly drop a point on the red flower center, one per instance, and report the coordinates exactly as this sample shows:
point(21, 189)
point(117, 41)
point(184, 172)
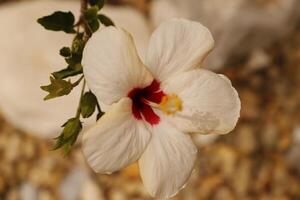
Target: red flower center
point(140, 97)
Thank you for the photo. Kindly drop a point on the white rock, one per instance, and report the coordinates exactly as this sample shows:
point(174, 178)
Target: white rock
point(296, 135)
point(29, 54)
point(293, 155)
point(72, 184)
point(28, 191)
point(117, 195)
point(90, 191)
point(258, 59)
point(204, 140)
point(238, 26)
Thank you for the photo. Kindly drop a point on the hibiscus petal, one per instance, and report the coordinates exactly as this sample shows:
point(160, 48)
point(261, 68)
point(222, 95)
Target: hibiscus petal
point(111, 65)
point(210, 103)
point(168, 161)
point(177, 45)
point(116, 140)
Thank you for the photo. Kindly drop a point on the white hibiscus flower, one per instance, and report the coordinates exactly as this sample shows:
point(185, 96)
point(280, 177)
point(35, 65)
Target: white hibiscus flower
point(152, 107)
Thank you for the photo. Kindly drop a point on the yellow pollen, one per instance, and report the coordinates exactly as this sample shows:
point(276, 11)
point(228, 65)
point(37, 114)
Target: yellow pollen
point(170, 104)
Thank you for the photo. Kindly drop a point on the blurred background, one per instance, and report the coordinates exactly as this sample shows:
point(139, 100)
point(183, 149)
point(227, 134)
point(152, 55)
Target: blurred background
point(257, 47)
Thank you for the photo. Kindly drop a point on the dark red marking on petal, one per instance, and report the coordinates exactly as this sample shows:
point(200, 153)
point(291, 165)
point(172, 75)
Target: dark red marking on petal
point(155, 97)
point(136, 112)
point(153, 87)
point(153, 92)
point(140, 109)
point(149, 115)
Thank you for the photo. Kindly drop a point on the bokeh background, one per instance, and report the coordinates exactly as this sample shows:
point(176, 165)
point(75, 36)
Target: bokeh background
point(257, 47)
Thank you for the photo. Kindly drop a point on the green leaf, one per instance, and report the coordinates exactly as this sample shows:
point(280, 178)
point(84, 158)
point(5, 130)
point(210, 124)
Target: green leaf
point(92, 19)
point(65, 52)
point(59, 142)
point(94, 25)
point(88, 104)
point(58, 21)
point(105, 20)
point(68, 72)
point(71, 128)
point(69, 135)
point(57, 88)
point(67, 149)
point(99, 3)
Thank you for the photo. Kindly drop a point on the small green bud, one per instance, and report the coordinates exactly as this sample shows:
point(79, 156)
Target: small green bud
point(88, 104)
point(99, 3)
point(65, 52)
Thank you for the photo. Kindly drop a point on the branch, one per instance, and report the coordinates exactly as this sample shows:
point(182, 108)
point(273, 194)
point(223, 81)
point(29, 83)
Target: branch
point(83, 9)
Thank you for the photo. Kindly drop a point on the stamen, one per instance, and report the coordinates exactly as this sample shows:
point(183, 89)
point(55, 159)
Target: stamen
point(170, 104)
point(150, 103)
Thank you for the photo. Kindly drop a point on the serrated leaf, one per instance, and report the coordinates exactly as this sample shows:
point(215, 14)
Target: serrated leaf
point(67, 149)
point(58, 21)
point(65, 52)
point(57, 88)
point(59, 142)
point(72, 127)
point(69, 135)
point(99, 3)
point(105, 20)
point(68, 72)
point(88, 104)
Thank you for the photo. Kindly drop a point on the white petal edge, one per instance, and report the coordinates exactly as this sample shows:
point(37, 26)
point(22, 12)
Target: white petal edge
point(168, 161)
point(177, 45)
point(210, 104)
point(111, 65)
point(116, 140)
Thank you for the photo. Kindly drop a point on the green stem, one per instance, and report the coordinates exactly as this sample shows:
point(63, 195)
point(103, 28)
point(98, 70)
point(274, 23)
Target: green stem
point(77, 82)
point(83, 8)
point(98, 107)
point(81, 95)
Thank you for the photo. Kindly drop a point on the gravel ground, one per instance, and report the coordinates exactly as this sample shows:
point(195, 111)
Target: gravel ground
point(259, 160)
